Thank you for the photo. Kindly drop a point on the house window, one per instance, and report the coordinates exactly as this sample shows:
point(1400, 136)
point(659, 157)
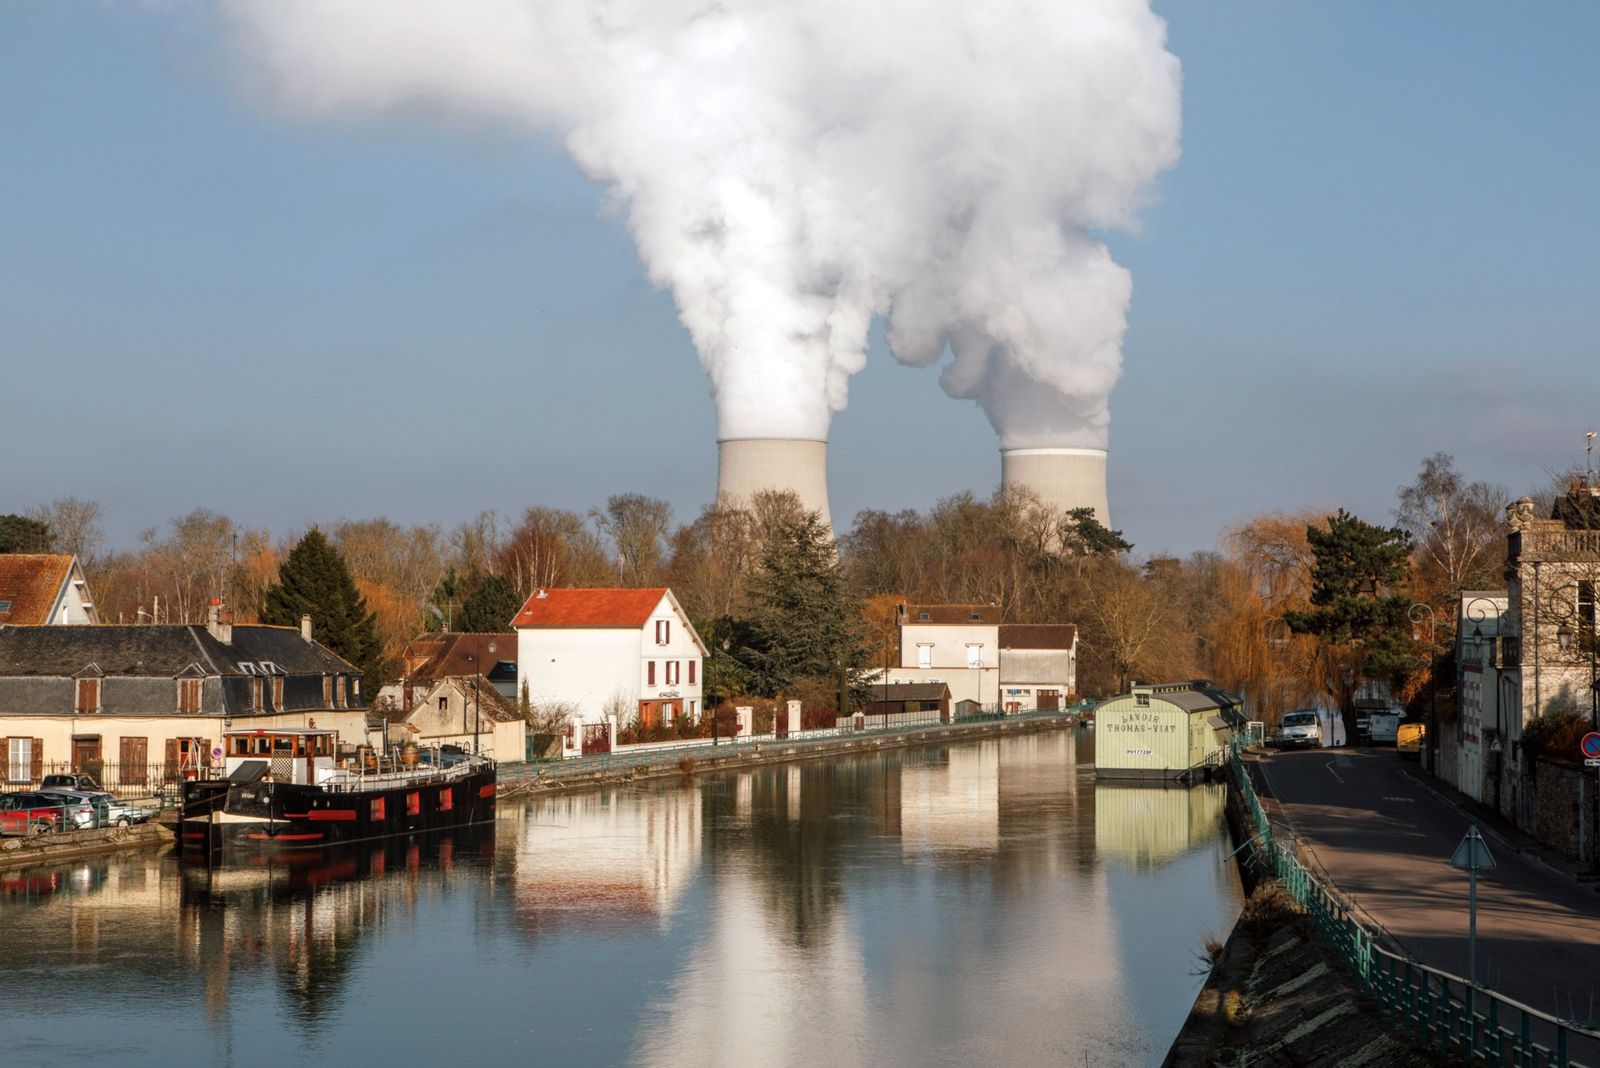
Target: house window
point(88, 695)
point(444, 703)
point(277, 692)
point(672, 672)
point(189, 695)
point(135, 754)
point(924, 656)
point(663, 631)
point(923, 617)
point(255, 695)
point(650, 673)
point(974, 656)
point(19, 760)
point(1586, 605)
point(691, 711)
point(1142, 700)
point(692, 665)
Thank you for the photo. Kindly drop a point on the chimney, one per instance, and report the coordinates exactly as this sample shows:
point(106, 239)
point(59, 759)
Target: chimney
point(746, 466)
point(305, 627)
point(219, 630)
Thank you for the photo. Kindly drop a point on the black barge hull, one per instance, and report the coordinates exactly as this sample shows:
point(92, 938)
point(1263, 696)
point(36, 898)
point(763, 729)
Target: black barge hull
point(270, 817)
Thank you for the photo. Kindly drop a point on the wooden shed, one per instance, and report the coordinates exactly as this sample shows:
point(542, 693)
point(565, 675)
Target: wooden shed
point(1165, 731)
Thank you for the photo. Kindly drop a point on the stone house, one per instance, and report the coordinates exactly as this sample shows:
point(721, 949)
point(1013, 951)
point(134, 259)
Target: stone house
point(459, 710)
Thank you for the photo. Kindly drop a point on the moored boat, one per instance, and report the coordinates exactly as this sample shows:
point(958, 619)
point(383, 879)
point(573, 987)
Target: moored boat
point(285, 789)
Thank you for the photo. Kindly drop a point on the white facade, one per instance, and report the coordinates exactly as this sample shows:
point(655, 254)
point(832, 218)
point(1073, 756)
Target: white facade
point(626, 668)
point(943, 643)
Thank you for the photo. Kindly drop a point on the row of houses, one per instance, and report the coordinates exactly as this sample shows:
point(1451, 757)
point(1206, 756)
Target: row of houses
point(153, 701)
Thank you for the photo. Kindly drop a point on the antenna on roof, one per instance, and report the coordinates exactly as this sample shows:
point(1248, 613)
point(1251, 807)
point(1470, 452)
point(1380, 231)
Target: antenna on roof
point(1588, 459)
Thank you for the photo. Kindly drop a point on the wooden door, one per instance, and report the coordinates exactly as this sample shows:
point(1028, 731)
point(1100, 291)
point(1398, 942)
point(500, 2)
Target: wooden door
point(649, 714)
point(135, 758)
point(86, 756)
point(1049, 700)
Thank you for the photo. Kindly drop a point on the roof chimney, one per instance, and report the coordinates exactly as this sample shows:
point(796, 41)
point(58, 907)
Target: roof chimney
point(219, 630)
point(305, 627)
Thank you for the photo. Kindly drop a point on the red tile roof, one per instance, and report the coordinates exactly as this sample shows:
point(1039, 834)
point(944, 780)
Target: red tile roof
point(589, 608)
point(31, 583)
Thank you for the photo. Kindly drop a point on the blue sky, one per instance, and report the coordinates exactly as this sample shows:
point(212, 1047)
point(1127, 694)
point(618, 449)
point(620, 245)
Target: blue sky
point(1381, 241)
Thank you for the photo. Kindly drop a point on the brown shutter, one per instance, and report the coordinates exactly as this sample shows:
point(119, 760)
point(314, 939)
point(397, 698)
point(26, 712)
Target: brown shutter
point(172, 759)
point(5, 760)
point(205, 754)
point(38, 759)
point(650, 673)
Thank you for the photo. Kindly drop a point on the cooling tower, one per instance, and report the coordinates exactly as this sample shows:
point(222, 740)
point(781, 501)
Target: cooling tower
point(746, 466)
point(1063, 478)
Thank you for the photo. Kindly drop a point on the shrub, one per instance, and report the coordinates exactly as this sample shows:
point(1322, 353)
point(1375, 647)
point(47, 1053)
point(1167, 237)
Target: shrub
point(1555, 735)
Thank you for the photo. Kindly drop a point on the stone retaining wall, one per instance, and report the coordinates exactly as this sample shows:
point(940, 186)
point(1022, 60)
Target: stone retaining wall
point(47, 849)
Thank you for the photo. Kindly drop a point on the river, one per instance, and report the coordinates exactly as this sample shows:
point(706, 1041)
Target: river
point(980, 903)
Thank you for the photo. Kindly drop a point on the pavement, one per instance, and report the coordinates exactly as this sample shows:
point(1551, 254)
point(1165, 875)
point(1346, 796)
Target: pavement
point(1383, 833)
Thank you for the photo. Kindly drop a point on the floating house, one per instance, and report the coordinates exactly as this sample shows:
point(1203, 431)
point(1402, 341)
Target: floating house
point(1168, 731)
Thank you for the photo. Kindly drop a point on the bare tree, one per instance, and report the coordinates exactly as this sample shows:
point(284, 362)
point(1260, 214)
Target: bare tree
point(75, 524)
point(1458, 527)
point(637, 528)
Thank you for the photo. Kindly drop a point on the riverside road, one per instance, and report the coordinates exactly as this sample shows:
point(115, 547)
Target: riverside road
point(1368, 821)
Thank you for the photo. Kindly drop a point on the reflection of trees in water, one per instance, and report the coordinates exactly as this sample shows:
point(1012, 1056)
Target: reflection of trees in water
point(306, 916)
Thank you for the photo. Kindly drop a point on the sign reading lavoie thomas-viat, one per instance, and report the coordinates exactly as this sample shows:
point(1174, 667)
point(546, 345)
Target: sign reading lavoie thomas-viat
point(1139, 721)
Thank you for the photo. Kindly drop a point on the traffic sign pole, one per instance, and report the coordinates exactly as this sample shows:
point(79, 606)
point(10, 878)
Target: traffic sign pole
point(1471, 855)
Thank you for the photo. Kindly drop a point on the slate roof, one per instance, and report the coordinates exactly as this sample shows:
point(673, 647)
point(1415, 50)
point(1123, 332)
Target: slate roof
point(159, 650)
point(949, 613)
point(1038, 635)
point(589, 607)
point(31, 582)
point(1201, 696)
point(495, 706)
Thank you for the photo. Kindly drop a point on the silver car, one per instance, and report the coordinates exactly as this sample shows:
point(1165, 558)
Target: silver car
point(79, 808)
point(104, 810)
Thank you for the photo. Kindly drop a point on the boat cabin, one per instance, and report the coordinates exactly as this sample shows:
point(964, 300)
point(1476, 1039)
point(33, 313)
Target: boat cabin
point(289, 754)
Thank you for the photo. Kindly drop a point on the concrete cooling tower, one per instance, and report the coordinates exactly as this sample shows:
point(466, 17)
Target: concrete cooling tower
point(1063, 478)
point(746, 466)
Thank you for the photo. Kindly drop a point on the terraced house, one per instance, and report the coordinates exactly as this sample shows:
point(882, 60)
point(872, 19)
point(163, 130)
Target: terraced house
point(140, 705)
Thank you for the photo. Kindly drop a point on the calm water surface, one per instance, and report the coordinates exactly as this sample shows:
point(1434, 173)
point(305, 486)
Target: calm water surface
point(981, 903)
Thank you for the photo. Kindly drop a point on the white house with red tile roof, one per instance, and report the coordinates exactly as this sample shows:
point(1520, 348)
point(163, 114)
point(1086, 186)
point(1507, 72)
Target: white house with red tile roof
point(610, 654)
point(44, 589)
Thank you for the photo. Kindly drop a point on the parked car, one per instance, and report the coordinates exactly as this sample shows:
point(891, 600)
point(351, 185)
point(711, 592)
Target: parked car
point(78, 809)
point(29, 814)
point(75, 780)
point(109, 811)
point(1298, 729)
point(1383, 728)
point(1408, 740)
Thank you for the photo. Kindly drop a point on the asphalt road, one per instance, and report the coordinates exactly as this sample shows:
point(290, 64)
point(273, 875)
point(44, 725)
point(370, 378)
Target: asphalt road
point(1386, 841)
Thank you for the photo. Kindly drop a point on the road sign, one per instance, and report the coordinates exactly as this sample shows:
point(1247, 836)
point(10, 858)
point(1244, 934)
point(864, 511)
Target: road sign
point(1473, 853)
point(1590, 744)
point(1592, 762)
point(1472, 856)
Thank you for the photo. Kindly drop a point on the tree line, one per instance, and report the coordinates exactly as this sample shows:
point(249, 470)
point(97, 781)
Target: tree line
point(1293, 609)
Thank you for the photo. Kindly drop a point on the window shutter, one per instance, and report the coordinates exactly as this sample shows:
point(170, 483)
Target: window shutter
point(172, 759)
point(692, 664)
point(205, 753)
point(38, 759)
point(650, 673)
point(5, 759)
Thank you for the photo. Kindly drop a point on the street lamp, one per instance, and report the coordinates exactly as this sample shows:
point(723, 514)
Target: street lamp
point(1417, 613)
point(1564, 635)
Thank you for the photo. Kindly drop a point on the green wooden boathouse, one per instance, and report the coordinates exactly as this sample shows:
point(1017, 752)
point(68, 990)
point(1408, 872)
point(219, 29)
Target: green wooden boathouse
point(1168, 731)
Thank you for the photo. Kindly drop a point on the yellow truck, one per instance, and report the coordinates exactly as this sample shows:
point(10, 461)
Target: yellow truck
point(1408, 740)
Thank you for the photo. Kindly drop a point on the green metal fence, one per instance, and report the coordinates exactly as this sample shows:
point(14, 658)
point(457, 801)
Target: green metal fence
point(1463, 1022)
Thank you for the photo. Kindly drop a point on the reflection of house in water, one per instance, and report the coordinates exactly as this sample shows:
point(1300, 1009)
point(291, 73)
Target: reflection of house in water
point(1146, 826)
point(950, 799)
point(610, 854)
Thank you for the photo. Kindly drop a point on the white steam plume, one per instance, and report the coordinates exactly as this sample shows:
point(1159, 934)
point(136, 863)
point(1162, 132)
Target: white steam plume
point(792, 168)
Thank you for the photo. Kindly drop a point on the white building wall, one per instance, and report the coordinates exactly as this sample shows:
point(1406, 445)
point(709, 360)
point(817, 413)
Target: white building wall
point(582, 667)
point(680, 649)
point(948, 659)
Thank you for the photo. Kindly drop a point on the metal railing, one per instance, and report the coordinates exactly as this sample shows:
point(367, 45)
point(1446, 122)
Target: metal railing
point(118, 778)
point(1462, 1021)
point(702, 749)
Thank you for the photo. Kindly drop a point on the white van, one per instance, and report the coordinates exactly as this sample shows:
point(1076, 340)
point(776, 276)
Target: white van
point(1302, 728)
point(1383, 728)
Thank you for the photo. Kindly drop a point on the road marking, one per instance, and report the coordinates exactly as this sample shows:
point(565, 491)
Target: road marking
point(1406, 799)
point(1336, 775)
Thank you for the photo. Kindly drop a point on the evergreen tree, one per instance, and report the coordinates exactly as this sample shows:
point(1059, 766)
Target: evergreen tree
point(314, 581)
point(1354, 607)
point(24, 534)
point(491, 607)
point(805, 624)
point(1084, 535)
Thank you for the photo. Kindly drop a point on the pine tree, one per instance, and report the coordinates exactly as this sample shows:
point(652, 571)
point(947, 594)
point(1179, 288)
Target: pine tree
point(314, 581)
point(24, 534)
point(805, 624)
point(491, 607)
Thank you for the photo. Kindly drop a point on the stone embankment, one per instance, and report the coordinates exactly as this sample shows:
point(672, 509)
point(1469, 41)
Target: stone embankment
point(517, 780)
point(1277, 995)
point(52, 848)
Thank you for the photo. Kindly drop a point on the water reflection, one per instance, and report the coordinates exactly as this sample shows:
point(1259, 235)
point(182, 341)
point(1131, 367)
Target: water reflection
point(980, 903)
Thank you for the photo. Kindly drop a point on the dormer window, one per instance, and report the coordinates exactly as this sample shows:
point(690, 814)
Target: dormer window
point(327, 691)
point(88, 696)
point(189, 695)
point(976, 617)
point(343, 682)
point(255, 695)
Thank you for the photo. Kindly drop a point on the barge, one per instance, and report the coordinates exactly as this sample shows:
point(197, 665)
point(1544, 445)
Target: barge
point(284, 789)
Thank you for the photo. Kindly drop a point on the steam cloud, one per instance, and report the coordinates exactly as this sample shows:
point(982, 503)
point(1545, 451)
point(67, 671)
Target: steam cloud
point(791, 169)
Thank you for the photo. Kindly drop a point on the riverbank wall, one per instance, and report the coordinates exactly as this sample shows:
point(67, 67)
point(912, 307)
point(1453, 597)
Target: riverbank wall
point(521, 780)
point(53, 848)
point(1277, 994)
